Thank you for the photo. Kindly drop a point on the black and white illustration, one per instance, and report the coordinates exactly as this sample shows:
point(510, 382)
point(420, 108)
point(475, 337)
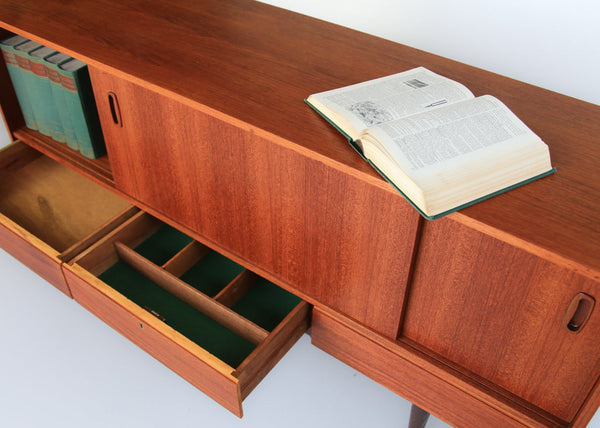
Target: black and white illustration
point(371, 113)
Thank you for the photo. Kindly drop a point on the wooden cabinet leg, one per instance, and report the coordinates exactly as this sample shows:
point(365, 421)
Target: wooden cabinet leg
point(418, 417)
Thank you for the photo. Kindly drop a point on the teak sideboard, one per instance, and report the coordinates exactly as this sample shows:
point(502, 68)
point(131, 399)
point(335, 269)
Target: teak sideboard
point(486, 317)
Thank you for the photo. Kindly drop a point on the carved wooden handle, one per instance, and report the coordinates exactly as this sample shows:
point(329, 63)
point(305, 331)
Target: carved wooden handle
point(114, 109)
point(579, 312)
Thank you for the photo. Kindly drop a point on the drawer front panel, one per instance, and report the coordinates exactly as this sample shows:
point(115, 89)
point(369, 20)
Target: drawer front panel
point(141, 329)
point(503, 312)
point(294, 217)
point(33, 253)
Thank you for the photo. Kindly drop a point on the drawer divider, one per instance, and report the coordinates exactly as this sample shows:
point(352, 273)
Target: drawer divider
point(237, 288)
point(211, 308)
point(98, 257)
point(186, 258)
point(78, 247)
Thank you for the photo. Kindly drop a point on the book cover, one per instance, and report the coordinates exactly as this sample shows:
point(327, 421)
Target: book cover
point(82, 106)
point(18, 78)
point(459, 207)
point(33, 84)
point(52, 63)
point(357, 144)
point(46, 103)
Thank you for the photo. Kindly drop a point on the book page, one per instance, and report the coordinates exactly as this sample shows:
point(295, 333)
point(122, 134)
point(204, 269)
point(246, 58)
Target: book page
point(449, 137)
point(388, 98)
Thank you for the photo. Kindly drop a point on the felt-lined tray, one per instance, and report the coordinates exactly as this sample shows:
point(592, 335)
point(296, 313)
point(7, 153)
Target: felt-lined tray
point(215, 323)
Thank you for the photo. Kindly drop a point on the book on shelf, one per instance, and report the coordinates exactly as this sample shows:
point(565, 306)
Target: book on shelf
point(52, 63)
point(80, 101)
point(55, 94)
point(35, 86)
point(48, 104)
point(440, 146)
point(19, 70)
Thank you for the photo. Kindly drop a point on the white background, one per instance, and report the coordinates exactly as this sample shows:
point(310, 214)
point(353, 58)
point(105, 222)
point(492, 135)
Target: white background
point(548, 43)
point(61, 367)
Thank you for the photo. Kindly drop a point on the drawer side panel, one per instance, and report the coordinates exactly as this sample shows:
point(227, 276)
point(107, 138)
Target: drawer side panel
point(33, 253)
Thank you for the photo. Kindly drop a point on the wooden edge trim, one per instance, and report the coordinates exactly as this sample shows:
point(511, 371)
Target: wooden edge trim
point(180, 289)
point(93, 169)
point(97, 234)
point(150, 320)
point(186, 258)
point(16, 155)
point(589, 408)
point(33, 253)
point(536, 250)
point(101, 255)
point(29, 237)
point(258, 364)
point(517, 414)
point(237, 288)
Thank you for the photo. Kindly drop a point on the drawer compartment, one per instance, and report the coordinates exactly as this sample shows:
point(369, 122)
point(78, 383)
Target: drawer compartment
point(49, 213)
point(214, 323)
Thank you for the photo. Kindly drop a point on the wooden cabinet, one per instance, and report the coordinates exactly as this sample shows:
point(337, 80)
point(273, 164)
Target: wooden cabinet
point(487, 317)
point(507, 315)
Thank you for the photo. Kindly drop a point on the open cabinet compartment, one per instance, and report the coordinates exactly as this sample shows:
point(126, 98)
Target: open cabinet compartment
point(217, 325)
point(49, 213)
point(99, 169)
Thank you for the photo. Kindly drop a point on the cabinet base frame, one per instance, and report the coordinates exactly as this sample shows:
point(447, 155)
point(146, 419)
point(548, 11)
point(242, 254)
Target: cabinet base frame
point(420, 379)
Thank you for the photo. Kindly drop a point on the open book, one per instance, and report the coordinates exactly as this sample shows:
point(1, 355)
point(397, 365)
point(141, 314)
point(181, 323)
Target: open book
point(441, 147)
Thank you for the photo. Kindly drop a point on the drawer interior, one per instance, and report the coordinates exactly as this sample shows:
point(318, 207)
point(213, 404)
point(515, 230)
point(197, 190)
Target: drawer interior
point(211, 300)
point(52, 202)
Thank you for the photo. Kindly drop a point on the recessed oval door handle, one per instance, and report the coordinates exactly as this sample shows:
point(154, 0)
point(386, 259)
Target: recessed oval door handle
point(579, 312)
point(115, 111)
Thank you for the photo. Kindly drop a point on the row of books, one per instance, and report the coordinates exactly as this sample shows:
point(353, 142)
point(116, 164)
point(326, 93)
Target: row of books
point(55, 94)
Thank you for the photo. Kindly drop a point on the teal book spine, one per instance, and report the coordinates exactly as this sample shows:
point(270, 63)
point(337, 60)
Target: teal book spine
point(52, 63)
point(82, 106)
point(44, 95)
point(18, 78)
point(32, 83)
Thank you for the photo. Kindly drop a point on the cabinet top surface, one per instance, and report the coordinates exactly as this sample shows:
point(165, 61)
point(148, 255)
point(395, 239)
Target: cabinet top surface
point(256, 63)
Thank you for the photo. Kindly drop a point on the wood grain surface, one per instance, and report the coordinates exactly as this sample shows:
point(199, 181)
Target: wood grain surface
point(33, 253)
point(40, 218)
point(187, 359)
point(444, 392)
point(225, 61)
point(216, 138)
point(499, 312)
point(330, 235)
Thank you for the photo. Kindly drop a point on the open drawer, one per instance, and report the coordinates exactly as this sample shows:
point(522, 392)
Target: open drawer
point(217, 325)
point(49, 213)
